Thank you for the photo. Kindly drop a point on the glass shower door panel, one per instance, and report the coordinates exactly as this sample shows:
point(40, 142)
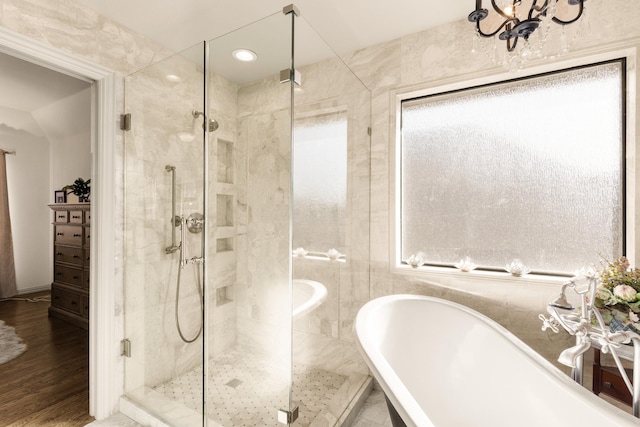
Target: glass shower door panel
point(164, 179)
point(331, 158)
point(249, 264)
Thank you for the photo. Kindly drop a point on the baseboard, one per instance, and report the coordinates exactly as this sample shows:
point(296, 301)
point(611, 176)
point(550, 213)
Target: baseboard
point(34, 290)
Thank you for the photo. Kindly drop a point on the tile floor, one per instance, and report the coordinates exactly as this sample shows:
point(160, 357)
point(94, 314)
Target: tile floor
point(372, 414)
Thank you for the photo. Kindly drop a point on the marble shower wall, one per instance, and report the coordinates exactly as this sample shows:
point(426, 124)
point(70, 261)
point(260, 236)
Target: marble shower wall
point(263, 163)
point(222, 267)
point(163, 132)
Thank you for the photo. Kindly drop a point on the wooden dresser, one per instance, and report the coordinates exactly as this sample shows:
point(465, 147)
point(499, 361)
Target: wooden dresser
point(71, 243)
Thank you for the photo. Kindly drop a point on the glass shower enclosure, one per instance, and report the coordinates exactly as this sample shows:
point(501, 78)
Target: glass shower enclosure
point(229, 319)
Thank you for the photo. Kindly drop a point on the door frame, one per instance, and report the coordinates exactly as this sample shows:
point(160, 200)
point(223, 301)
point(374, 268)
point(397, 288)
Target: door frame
point(106, 371)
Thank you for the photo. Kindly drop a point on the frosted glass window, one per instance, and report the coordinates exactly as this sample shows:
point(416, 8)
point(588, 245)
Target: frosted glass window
point(530, 169)
point(320, 182)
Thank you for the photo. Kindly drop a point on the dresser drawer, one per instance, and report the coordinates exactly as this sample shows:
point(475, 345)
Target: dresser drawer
point(68, 235)
point(61, 216)
point(67, 300)
point(70, 275)
point(75, 217)
point(69, 255)
point(612, 384)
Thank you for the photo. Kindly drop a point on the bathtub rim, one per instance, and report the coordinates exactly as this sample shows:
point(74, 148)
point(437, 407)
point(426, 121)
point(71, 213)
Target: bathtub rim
point(319, 295)
point(396, 393)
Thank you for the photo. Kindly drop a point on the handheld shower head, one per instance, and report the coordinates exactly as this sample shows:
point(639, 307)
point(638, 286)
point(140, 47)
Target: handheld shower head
point(212, 124)
point(561, 301)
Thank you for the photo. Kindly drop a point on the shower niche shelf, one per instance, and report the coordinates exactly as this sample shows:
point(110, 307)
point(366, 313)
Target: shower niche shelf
point(224, 295)
point(225, 161)
point(224, 210)
point(224, 244)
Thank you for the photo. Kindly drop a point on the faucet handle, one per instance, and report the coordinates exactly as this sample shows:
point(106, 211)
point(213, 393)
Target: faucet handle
point(549, 323)
point(613, 341)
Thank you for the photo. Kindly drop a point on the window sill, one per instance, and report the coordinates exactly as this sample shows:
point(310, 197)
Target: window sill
point(478, 276)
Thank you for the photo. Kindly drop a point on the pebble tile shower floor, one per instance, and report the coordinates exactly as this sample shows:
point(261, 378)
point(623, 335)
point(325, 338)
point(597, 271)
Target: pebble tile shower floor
point(242, 391)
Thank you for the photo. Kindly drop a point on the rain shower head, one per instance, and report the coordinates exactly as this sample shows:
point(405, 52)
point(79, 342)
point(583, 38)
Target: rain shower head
point(213, 125)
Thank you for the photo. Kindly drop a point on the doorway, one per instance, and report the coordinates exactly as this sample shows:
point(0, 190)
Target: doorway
point(105, 370)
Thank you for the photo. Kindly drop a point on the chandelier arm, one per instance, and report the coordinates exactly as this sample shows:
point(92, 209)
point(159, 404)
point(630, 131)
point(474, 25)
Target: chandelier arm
point(511, 47)
point(560, 21)
point(504, 24)
point(542, 10)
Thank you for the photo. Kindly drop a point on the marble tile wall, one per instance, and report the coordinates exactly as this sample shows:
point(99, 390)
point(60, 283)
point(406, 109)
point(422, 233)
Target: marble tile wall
point(70, 27)
point(224, 241)
point(168, 134)
point(164, 132)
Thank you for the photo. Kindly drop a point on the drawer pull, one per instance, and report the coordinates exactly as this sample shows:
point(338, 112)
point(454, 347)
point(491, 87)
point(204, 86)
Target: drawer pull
point(76, 257)
point(607, 384)
point(59, 234)
point(77, 235)
point(75, 216)
point(58, 274)
point(76, 278)
point(74, 302)
point(59, 254)
point(56, 297)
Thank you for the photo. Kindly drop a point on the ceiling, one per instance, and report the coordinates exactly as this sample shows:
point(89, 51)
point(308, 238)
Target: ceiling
point(345, 25)
point(28, 90)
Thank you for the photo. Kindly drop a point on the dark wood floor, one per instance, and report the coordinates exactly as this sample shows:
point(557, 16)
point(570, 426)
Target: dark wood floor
point(48, 385)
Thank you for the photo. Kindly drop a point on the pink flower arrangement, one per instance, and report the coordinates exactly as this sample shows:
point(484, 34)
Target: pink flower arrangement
point(617, 294)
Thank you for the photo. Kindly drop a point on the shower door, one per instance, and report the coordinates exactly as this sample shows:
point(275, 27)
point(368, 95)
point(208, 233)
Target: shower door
point(208, 219)
point(164, 188)
point(249, 265)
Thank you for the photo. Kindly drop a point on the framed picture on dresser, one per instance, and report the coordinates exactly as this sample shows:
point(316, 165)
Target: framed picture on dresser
point(60, 196)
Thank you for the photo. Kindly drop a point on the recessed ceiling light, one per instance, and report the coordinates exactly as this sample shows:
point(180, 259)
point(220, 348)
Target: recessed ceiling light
point(244, 55)
point(172, 78)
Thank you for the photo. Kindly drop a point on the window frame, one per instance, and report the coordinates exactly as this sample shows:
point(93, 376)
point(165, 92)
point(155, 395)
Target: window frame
point(627, 59)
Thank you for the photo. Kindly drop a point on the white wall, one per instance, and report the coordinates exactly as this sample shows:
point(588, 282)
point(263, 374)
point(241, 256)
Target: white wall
point(67, 127)
point(53, 153)
point(28, 185)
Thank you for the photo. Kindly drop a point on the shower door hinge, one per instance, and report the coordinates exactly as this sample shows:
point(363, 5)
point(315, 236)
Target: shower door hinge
point(125, 121)
point(125, 347)
point(287, 417)
point(287, 73)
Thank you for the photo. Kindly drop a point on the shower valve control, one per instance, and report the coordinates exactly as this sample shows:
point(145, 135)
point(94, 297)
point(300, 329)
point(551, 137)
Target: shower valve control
point(195, 260)
point(195, 222)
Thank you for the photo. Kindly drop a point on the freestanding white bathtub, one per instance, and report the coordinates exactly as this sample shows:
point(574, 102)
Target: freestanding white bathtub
point(443, 364)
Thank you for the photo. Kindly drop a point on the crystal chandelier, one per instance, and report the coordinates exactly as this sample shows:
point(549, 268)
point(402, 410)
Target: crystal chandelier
point(526, 27)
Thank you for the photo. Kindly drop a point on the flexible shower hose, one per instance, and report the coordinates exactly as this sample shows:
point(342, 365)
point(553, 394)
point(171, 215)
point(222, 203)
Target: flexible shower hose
point(197, 267)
